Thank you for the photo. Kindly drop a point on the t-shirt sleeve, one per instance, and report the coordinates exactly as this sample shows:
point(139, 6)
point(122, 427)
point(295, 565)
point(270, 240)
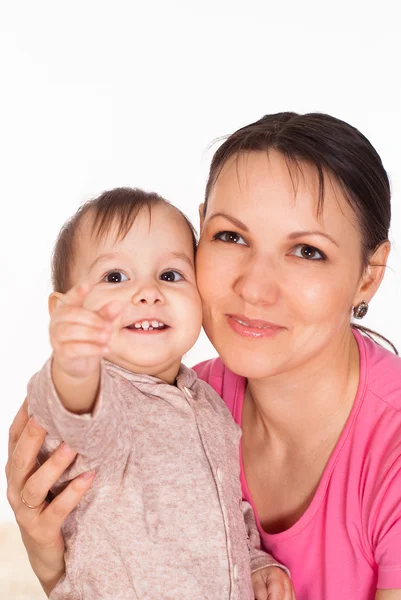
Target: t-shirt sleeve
point(211, 371)
point(386, 529)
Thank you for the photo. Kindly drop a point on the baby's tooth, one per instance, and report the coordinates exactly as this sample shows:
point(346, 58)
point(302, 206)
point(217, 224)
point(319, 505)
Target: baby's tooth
point(137, 325)
point(145, 324)
point(154, 324)
point(150, 328)
point(161, 324)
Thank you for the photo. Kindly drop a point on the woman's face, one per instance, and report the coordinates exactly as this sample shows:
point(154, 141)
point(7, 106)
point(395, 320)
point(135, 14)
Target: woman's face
point(278, 281)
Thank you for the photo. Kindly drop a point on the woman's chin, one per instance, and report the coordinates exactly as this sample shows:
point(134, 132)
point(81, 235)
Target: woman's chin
point(250, 358)
point(249, 364)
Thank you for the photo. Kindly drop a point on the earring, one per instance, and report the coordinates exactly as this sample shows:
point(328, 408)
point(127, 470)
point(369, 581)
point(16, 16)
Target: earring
point(360, 310)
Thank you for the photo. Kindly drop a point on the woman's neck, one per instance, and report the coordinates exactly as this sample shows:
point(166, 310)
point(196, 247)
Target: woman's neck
point(310, 404)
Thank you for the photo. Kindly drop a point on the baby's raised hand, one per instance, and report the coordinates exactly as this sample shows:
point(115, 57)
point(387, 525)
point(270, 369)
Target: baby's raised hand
point(272, 583)
point(80, 336)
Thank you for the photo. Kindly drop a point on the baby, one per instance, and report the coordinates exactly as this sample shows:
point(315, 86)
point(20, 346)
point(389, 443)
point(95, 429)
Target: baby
point(164, 518)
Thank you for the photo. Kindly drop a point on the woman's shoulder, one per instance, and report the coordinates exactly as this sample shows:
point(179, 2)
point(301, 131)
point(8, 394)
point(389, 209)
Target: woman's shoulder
point(212, 371)
point(376, 425)
point(225, 383)
point(210, 368)
point(383, 372)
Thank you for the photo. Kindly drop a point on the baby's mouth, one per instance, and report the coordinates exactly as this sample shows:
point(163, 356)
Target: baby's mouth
point(147, 325)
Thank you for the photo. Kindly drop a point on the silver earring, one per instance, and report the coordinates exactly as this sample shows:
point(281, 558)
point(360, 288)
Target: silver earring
point(360, 310)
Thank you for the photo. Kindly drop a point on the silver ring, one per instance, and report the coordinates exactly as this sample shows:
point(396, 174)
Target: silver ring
point(29, 505)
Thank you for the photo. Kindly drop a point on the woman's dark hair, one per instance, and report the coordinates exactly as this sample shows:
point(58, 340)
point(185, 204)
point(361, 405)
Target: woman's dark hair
point(331, 146)
point(335, 149)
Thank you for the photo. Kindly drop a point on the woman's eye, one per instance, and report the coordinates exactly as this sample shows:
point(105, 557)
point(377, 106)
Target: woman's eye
point(308, 252)
point(115, 277)
point(230, 237)
point(171, 276)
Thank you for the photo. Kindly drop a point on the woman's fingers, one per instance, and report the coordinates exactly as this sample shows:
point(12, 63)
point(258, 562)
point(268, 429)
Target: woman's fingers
point(260, 591)
point(37, 486)
point(58, 510)
point(289, 591)
point(22, 461)
point(272, 583)
point(34, 489)
point(16, 429)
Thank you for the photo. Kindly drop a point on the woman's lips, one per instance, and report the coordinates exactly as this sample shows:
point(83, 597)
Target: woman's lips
point(252, 328)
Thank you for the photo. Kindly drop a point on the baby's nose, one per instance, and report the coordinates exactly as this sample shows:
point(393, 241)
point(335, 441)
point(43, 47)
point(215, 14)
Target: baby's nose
point(149, 294)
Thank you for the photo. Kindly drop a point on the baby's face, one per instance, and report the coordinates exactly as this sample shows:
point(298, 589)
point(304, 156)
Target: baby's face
point(152, 272)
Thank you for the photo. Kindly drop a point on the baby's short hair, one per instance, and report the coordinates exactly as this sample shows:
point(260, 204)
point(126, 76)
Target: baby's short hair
point(114, 208)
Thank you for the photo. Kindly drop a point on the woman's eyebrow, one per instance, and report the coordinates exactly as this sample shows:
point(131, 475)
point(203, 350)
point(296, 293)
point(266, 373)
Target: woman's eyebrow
point(299, 234)
point(233, 220)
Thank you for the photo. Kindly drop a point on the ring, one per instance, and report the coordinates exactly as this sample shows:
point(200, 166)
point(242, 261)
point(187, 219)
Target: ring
point(26, 503)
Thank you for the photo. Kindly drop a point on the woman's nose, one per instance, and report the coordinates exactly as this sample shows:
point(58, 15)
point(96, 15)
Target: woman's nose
point(258, 283)
point(148, 294)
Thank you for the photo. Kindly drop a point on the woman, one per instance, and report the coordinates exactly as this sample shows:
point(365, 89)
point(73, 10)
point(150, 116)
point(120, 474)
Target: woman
point(294, 242)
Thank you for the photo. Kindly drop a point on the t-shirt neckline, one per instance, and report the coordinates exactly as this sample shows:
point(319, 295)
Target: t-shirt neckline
point(318, 497)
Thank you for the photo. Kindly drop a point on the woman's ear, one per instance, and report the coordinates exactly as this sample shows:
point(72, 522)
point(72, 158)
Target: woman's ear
point(55, 299)
point(373, 274)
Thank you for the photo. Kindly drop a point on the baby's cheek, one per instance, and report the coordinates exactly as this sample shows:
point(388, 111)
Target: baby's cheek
point(194, 314)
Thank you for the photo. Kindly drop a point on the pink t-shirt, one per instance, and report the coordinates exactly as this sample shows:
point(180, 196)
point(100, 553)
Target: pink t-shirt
point(347, 544)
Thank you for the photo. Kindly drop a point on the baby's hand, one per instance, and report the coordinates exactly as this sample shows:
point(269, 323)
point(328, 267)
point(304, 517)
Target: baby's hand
point(272, 583)
point(80, 336)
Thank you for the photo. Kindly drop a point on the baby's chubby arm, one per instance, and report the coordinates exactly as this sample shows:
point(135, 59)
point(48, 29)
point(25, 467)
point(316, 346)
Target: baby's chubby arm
point(73, 397)
point(79, 337)
point(270, 579)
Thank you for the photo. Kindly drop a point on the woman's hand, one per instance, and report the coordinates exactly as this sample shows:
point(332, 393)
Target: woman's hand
point(40, 522)
point(272, 583)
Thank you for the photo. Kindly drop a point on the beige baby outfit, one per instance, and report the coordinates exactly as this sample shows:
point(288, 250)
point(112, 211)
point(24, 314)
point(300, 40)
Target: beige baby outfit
point(164, 519)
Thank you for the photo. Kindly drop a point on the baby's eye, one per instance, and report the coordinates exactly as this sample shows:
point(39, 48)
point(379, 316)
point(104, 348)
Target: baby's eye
point(115, 277)
point(230, 237)
point(171, 276)
point(308, 252)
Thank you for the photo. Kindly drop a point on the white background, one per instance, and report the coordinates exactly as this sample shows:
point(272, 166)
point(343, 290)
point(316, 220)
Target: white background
point(100, 94)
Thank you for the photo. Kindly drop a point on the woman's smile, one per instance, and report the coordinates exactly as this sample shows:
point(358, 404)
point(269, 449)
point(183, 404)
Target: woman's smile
point(253, 328)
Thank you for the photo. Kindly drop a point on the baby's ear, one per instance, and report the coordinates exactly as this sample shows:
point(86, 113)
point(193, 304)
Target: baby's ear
point(55, 299)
